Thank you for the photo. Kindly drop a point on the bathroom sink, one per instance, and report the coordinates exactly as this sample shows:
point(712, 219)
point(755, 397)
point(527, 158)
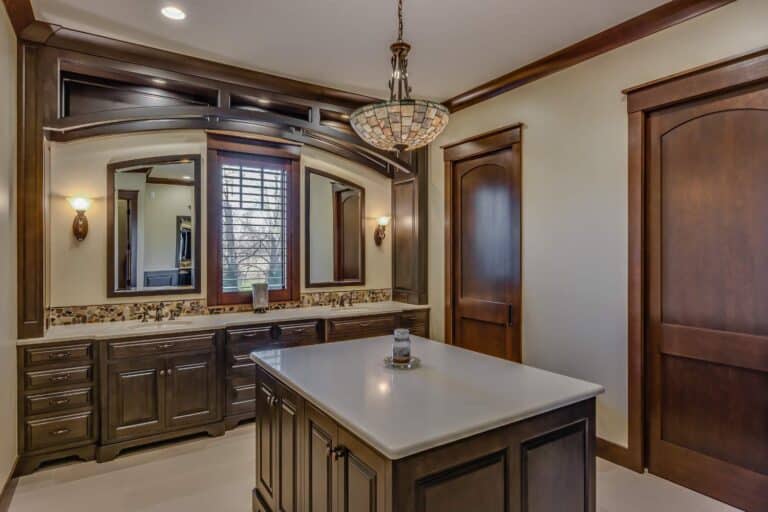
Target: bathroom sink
point(160, 325)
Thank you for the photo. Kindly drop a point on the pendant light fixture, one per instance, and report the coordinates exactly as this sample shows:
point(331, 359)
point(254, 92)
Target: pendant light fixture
point(402, 123)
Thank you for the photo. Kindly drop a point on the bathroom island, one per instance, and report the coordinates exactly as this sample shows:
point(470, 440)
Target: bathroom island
point(338, 431)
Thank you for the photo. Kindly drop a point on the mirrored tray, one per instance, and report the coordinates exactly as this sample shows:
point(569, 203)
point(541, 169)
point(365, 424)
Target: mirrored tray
point(413, 363)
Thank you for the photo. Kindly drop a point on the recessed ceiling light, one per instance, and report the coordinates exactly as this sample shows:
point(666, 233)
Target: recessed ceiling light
point(173, 13)
point(159, 81)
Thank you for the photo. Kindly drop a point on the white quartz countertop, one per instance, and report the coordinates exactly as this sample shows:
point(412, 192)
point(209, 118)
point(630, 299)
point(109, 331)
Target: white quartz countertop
point(453, 395)
point(110, 330)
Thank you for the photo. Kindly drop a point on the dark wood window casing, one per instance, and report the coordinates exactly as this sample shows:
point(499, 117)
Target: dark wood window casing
point(253, 219)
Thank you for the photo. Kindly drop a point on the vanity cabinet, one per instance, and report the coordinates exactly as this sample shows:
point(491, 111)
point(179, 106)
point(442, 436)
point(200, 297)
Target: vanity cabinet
point(306, 461)
point(157, 388)
point(240, 385)
point(56, 403)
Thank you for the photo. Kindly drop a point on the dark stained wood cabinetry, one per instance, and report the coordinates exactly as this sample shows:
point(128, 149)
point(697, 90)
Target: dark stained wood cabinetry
point(541, 464)
point(56, 403)
point(410, 230)
point(240, 382)
point(156, 388)
point(94, 399)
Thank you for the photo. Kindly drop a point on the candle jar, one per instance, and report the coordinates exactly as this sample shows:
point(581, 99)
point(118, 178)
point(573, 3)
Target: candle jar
point(401, 349)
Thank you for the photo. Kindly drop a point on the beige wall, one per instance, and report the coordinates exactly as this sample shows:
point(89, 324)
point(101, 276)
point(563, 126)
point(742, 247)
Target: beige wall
point(574, 197)
point(7, 246)
point(78, 270)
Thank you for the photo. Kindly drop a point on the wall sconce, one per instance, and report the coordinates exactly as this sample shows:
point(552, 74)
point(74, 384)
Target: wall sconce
point(80, 224)
point(381, 230)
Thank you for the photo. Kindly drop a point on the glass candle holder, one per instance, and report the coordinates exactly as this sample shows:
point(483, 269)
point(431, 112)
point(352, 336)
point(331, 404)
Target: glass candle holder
point(401, 348)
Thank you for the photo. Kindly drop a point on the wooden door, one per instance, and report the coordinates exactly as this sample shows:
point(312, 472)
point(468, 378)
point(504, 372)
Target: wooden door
point(486, 256)
point(266, 438)
point(288, 452)
point(707, 319)
point(321, 473)
point(135, 398)
point(191, 390)
point(362, 483)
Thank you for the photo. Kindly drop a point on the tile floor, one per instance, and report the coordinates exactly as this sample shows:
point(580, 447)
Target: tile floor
point(214, 474)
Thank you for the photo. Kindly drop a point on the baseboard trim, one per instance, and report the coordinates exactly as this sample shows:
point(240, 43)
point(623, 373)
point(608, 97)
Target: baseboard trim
point(8, 488)
point(620, 455)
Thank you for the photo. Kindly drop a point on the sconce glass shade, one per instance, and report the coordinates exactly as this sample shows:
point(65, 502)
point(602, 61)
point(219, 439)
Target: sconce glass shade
point(80, 204)
point(383, 221)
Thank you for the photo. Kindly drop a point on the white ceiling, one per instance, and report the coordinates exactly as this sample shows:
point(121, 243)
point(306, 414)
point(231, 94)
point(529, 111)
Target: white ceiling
point(457, 44)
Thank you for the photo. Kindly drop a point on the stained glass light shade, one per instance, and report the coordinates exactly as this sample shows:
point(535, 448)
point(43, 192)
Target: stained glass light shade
point(400, 125)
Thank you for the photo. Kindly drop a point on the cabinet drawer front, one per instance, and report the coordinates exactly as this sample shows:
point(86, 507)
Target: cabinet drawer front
point(58, 431)
point(239, 353)
point(244, 371)
point(55, 402)
point(241, 399)
point(54, 355)
point(126, 349)
point(415, 321)
point(363, 327)
point(252, 334)
point(305, 333)
point(58, 378)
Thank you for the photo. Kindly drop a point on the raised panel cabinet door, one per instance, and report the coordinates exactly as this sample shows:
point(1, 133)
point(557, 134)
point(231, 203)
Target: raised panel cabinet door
point(707, 296)
point(321, 471)
point(192, 390)
point(288, 416)
point(486, 274)
point(135, 398)
point(363, 476)
point(267, 403)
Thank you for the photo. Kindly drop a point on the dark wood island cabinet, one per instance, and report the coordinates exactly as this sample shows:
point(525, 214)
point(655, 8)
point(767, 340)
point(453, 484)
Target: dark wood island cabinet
point(333, 452)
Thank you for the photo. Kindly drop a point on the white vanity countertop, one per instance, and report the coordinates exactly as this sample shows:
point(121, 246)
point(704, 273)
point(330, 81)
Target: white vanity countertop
point(453, 395)
point(110, 330)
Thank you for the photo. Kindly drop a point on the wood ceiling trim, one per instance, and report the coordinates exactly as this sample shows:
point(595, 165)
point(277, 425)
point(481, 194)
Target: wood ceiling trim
point(655, 20)
point(20, 13)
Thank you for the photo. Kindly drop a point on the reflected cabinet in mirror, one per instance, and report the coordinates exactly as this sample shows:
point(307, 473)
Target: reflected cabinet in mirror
point(153, 226)
point(335, 237)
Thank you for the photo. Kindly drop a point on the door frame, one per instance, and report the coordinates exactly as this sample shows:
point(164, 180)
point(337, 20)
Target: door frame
point(725, 75)
point(472, 147)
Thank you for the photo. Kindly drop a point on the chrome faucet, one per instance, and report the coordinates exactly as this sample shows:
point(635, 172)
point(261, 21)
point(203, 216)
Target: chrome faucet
point(345, 300)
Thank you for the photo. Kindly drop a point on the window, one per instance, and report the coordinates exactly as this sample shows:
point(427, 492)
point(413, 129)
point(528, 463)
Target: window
point(253, 226)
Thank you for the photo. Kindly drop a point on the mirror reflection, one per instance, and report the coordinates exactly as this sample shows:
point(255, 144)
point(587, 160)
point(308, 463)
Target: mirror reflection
point(153, 227)
point(335, 230)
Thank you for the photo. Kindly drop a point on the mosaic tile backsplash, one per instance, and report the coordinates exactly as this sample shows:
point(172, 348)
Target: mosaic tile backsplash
point(132, 311)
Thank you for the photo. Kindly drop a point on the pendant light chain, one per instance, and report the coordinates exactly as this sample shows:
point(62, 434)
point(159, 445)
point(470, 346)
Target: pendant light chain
point(399, 20)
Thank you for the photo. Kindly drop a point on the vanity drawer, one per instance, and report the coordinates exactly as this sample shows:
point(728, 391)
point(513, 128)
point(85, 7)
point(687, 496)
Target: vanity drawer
point(361, 327)
point(241, 398)
point(263, 334)
point(40, 356)
point(58, 431)
point(415, 321)
point(58, 378)
point(191, 343)
point(61, 401)
point(303, 333)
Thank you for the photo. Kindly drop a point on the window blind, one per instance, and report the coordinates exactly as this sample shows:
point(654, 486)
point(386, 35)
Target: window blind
point(254, 222)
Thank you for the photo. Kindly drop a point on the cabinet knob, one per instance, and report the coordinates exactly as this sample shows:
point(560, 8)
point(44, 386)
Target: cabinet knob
point(162, 373)
point(169, 371)
point(340, 452)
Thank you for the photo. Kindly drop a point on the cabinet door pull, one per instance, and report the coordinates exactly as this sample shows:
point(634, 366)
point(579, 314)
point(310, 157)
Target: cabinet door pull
point(59, 378)
point(340, 452)
point(58, 401)
point(364, 324)
point(58, 356)
point(273, 401)
point(60, 432)
point(164, 346)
